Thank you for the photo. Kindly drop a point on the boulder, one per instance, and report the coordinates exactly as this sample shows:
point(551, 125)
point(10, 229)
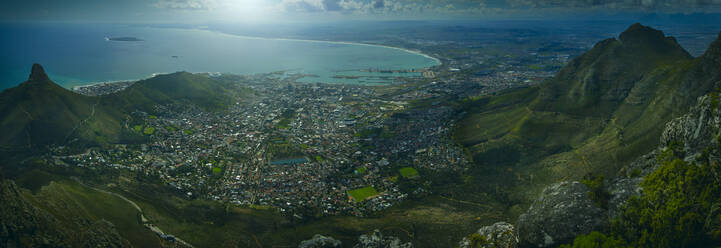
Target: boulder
point(377, 240)
point(500, 234)
point(562, 212)
point(320, 241)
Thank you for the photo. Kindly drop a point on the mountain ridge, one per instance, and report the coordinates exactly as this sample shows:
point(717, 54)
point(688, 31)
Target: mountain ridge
point(597, 114)
point(39, 112)
point(595, 83)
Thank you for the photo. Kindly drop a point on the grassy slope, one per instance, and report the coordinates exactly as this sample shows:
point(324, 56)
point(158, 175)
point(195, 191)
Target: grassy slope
point(179, 87)
point(73, 204)
point(433, 222)
point(429, 222)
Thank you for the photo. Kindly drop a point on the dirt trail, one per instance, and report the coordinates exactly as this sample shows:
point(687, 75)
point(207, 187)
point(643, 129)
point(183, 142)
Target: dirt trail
point(150, 226)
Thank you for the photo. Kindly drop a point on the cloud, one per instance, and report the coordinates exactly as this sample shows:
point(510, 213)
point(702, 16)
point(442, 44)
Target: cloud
point(378, 4)
point(311, 5)
point(184, 4)
point(617, 4)
point(441, 7)
point(332, 5)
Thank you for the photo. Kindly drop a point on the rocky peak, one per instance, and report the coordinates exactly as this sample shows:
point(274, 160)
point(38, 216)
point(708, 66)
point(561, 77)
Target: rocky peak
point(640, 36)
point(640, 33)
point(37, 74)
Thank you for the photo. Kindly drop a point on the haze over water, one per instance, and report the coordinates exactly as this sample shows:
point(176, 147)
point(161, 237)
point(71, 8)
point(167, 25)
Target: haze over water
point(79, 54)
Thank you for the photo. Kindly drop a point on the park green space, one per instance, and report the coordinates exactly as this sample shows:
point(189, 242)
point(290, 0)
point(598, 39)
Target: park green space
point(362, 194)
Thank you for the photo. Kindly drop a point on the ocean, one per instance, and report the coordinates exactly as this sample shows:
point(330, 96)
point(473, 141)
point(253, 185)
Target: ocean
point(79, 54)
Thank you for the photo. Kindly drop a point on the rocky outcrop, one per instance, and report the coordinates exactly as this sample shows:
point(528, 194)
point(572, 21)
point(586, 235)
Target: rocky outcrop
point(320, 241)
point(695, 130)
point(563, 212)
point(620, 191)
point(377, 240)
point(500, 234)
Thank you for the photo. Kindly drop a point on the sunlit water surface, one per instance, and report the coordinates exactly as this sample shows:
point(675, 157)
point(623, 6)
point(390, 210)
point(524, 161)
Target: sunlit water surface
point(75, 54)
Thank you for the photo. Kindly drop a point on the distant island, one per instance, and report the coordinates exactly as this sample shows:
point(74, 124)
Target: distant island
point(122, 39)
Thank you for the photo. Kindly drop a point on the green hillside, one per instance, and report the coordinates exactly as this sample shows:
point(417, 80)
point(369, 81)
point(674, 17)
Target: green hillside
point(597, 114)
point(67, 214)
point(180, 87)
point(39, 112)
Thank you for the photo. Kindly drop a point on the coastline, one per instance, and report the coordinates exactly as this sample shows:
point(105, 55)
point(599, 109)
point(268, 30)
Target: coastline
point(438, 61)
point(91, 84)
point(96, 83)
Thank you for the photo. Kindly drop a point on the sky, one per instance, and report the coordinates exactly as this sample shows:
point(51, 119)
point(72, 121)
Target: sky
point(268, 11)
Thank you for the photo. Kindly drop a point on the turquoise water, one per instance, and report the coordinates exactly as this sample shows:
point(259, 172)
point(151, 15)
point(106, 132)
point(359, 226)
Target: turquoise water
point(79, 54)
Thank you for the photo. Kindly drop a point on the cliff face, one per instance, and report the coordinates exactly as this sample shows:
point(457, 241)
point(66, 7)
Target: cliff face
point(697, 129)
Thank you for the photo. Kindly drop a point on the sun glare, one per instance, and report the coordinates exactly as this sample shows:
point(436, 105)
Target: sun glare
point(245, 10)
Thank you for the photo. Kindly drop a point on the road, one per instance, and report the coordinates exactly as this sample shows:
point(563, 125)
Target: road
point(150, 226)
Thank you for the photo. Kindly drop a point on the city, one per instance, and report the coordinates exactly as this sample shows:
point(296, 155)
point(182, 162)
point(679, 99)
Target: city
point(302, 147)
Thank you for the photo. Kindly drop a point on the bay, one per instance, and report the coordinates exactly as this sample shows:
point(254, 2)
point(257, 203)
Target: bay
point(79, 54)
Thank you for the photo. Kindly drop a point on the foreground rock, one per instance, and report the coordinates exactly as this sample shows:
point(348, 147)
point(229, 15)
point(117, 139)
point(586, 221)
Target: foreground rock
point(563, 212)
point(320, 241)
point(377, 240)
point(500, 234)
